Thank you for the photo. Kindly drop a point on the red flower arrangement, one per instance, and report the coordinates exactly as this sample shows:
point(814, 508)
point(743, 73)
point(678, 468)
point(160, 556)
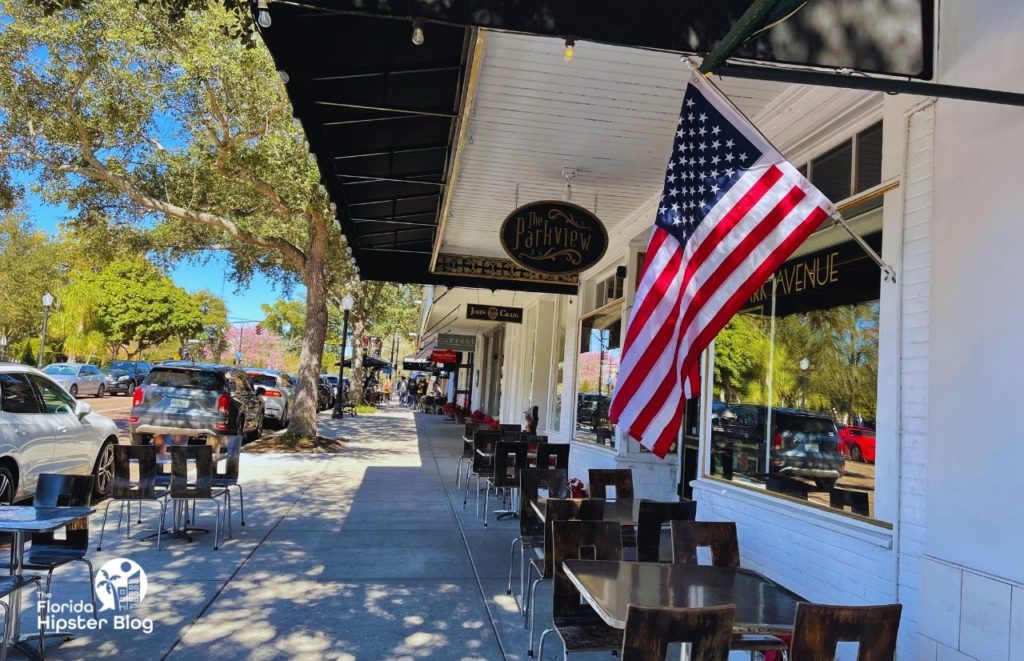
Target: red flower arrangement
point(576, 488)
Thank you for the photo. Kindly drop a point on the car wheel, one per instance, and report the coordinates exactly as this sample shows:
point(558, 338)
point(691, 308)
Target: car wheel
point(825, 483)
point(103, 473)
point(855, 453)
point(73, 390)
point(282, 422)
point(256, 433)
point(99, 391)
point(6, 487)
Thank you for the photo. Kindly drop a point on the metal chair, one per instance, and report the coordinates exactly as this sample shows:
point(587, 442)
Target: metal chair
point(509, 459)
point(651, 516)
point(483, 465)
point(576, 623)
point(720, 538)
point(602, 478)
point(46, 551)
point(126, 491)
point(466, 458)
point(587, 509)
point(185, 489)
point(649, 631)
point(229, 478)
point(819, 628)
point(531, 527)
point(553, 455)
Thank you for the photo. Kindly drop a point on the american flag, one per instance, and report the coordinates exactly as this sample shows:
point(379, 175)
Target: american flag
point(731, 212)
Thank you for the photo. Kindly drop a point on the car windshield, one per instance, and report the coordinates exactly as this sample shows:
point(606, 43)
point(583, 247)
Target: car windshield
point(121, 366)
point(333, 380)
point(61, 370)
point(262, 379)
point(178, 378)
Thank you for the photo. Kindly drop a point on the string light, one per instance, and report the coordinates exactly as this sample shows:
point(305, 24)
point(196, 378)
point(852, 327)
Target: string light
point(570, 50)
point(263, 13)
point(417, 33)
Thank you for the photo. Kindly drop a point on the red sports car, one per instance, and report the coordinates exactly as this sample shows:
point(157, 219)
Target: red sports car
point(857, 443)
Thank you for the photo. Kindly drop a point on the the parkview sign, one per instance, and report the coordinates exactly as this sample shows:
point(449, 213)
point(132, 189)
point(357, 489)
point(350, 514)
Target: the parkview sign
point(554, 237)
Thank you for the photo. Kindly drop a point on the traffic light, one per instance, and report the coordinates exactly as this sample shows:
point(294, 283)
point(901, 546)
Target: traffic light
point(259, 329)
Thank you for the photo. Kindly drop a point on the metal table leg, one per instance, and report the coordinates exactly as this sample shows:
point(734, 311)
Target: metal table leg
point(26, 644)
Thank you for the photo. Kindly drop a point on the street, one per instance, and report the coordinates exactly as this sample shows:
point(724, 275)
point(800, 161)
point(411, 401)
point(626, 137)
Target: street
point(115, 408)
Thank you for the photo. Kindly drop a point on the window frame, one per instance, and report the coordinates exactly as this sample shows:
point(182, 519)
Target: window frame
point(38, 382)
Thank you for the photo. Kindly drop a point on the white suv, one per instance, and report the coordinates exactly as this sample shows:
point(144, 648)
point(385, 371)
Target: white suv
point(44, 430)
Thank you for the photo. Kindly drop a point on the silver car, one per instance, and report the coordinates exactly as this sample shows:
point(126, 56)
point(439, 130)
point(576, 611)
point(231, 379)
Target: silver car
point(78, 379)
point(276, 391)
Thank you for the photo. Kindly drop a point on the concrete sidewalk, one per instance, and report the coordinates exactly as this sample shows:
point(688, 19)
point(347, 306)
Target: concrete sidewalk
point(365, 554)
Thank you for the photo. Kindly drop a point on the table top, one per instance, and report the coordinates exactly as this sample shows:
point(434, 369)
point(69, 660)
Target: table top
point(26, 518)
point(623, 510)
point(609, 587)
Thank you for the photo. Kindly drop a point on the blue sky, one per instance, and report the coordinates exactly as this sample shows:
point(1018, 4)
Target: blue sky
point(244, 304)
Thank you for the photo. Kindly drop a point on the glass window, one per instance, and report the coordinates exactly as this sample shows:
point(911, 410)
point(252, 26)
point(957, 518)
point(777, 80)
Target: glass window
point(555, 419)
point(597, 368)
point(55, 400)
point(831, 172)
point(176, 378)
point(795, 382)
point(17, 394)
point(869, 158)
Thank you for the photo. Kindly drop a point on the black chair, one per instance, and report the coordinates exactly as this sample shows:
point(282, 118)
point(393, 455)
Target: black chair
point(576, 623)
point(819, 628)
point(512, 436)
point(553, 455)
point(651, 516)
point(509, 458)
point(555, 509)
point(515, 428)
point(229, 477)
point(47, 552)
point(466, 458)
point(483, 462)
point(185, 489)
point(720, 537)
point(649, 631)
point(602, 478)
point(127, 491)
point(531, 526)
point(857, 501)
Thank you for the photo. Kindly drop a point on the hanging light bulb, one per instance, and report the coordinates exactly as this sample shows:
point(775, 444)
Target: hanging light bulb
point(281, 72)
point(570, 50)
point(417, 33)
point(263, 13)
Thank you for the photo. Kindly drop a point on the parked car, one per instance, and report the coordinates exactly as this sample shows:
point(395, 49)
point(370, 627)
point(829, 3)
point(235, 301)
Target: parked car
point(77, 378)
point(44, 430)
point(275, 389)
point(196, 400)
point(331, 382)
point(324, 393)
point(591, 409)
point(122, 377)
point(857, 443)
point(804, 444)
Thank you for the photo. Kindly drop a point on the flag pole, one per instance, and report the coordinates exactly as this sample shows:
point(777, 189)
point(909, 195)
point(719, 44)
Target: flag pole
point(888, 272)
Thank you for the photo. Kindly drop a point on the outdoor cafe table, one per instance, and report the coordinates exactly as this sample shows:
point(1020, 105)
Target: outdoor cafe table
point(622, 511)
point(164, 459)
point(20, 520)
point(762, 607)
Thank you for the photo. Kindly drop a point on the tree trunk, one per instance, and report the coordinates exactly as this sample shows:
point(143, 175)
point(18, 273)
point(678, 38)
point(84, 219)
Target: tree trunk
point(304, 411)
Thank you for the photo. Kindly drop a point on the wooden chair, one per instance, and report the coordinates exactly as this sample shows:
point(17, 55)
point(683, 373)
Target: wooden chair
point(720, 537)
point(586, 509)
point(576, 623)
point(531, 526)
point(553, 455)
point(509, 459)
point(602, 478)
point(649, 631)
point(482, 466)
point(651, 516)
point(819, 628)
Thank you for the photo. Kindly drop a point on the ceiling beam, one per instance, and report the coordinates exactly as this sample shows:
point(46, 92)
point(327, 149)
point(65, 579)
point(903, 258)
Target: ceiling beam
point(391, 72)
point(409, 112)
point(411, 150)
point(366, 179)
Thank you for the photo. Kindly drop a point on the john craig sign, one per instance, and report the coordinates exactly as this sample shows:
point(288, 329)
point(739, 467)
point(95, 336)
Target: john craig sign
point(554, 237)
point(494, 313)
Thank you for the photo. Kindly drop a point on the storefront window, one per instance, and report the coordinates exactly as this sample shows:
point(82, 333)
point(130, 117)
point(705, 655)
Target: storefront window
point(555, 419)
point(795, 382)
point(597, 368)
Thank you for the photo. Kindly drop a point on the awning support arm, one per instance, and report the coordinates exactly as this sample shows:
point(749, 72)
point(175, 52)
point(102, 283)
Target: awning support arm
point(888, 272)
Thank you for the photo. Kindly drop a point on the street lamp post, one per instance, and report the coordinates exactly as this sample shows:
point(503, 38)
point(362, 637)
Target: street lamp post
point(3, 346)
point(805, 364)
point(47, 302)
point(346, 305)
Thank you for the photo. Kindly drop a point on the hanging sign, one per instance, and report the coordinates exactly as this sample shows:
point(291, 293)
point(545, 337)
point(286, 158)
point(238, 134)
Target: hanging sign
point(443, 356)
point(456, 342)
point(557, 238)
point(494, 313)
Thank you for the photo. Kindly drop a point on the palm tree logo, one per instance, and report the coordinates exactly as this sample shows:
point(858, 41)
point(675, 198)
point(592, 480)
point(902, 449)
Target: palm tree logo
point(121, 585)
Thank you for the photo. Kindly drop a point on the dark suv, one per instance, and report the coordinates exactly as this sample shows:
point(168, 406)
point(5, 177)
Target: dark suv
point(122, 377)
point(804, 444)
point(195, 399)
